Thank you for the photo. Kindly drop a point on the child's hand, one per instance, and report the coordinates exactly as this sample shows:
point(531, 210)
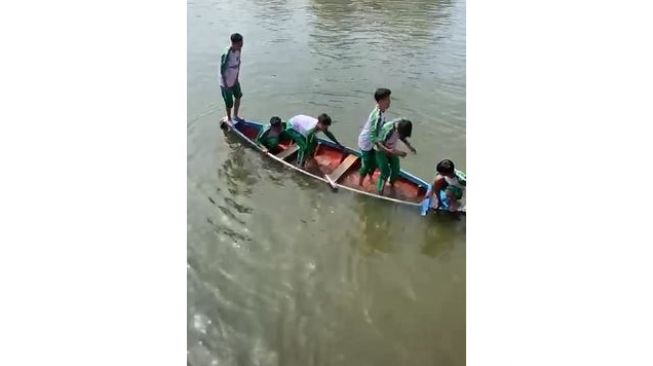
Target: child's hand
point(264, 151)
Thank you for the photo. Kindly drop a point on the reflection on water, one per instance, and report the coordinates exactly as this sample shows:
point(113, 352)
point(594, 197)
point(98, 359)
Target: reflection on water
point(440, 239)
point(281, 271)
point(238, 173)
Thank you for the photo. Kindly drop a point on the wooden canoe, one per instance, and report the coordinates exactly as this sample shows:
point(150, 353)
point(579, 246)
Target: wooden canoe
point(338, 168)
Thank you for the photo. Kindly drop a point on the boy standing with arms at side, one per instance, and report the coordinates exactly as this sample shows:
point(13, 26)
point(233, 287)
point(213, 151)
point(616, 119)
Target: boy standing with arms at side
point(229, 84)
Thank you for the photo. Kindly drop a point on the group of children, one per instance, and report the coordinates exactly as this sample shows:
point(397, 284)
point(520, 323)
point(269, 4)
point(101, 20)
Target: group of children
point(377, 140)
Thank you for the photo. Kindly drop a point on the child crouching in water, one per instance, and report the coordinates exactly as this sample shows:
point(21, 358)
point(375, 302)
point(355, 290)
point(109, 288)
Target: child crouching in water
point(450, 183)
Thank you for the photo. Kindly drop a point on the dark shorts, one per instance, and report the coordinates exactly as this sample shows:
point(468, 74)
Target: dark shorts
point(228, 94)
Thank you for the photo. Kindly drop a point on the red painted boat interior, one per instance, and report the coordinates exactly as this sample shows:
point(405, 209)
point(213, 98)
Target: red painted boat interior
point(328, 159)
point(250, 132)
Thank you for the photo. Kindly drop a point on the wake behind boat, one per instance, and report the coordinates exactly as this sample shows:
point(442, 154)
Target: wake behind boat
point(339, 168)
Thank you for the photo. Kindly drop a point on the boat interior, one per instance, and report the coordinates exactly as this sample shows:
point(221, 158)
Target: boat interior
point(341, 167)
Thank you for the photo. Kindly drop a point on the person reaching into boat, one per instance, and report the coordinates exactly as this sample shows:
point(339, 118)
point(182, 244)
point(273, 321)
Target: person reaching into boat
point(386, 152)
point(229, 84)
point(449, 186)
point(269, 137)
point(302, 130)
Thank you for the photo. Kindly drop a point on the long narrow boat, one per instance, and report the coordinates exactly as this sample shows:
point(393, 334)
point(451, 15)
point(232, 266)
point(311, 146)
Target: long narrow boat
point(338, 168)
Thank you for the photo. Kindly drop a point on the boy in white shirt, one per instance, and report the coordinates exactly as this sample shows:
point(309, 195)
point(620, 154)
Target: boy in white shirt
point(229, 84)
point(302, 129)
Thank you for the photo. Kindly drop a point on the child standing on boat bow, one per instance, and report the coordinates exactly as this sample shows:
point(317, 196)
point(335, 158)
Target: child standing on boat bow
point(229, 84)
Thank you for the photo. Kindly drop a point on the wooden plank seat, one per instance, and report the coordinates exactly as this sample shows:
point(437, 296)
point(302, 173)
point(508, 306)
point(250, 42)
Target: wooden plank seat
point(343, 167)
point(288, 151)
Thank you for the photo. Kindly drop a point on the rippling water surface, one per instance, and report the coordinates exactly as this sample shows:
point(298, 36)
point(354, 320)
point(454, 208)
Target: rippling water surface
point(280, 270)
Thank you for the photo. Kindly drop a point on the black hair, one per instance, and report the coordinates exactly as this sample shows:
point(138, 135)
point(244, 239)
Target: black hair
point(324, 119)
point(381, 93)
point(445, 167)
point(275, 120)
point(405, 128)
point(236, 37)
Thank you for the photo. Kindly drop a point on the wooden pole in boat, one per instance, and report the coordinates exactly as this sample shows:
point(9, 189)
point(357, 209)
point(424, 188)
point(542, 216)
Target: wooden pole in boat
point(331, 182)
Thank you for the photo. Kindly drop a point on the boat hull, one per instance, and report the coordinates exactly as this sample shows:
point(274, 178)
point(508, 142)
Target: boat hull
point(339, 168)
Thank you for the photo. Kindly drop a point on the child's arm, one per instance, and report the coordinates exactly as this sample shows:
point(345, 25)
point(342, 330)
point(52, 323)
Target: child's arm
point(261, 135)
point(375, 127)
point(438, 184)
point(333, 138)
point(384, 148)
point(259, 140)
point(409, 146)
point(223, 66)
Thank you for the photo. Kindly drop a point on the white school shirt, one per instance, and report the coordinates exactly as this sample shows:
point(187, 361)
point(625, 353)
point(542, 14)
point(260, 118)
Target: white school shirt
point(303, 124)
point(233, 65)
point(365, 142)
